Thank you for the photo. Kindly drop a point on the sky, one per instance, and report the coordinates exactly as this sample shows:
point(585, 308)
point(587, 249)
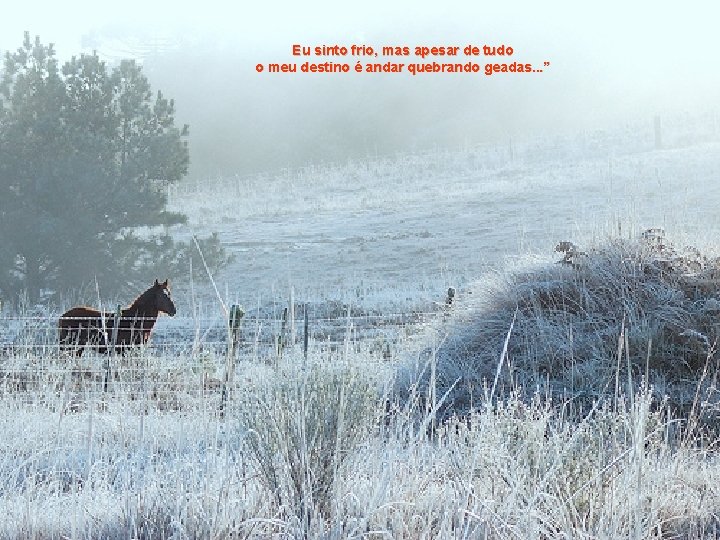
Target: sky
point(610, 62)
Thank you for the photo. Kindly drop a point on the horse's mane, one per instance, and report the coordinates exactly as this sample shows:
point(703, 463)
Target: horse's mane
point(142, 300)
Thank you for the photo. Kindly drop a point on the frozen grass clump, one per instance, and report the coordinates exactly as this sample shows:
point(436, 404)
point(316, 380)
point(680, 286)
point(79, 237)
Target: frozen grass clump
point(522, 469)
point(597, 324)
point(301, 427)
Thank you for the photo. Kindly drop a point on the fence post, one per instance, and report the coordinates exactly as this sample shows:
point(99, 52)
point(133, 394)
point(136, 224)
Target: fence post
point(113, 344)
point(305, 334)
point(283, 330)
point(291, 317)
point(236, 315)
point(450, 296)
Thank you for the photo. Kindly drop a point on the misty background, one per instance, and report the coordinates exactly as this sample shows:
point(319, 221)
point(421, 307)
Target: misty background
point(612, 65)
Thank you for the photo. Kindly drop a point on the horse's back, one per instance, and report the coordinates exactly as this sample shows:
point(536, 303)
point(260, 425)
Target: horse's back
point(81, 311)
point(75, 316)
point(78, 326)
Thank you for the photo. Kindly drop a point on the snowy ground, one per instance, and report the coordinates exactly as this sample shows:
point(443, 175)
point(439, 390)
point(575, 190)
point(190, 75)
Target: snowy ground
point(395, 232)
point(299, 452)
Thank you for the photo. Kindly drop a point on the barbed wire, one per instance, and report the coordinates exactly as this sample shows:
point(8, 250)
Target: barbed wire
point(441, 309)
point(264, 336)
point(143, 375)
point(184, 360)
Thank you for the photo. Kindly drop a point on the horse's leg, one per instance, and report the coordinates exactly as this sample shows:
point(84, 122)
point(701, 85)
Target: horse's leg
point(67, 349)
point(68, 342)
point(63, 339)
point(80, 340)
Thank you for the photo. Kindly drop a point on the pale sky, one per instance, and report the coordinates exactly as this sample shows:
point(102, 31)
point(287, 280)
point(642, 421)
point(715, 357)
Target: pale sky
point(641, 31)
point(639, 44)
point(609, 60)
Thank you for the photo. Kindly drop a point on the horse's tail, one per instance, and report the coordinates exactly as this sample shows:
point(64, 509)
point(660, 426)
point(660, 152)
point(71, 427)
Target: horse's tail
point(63, 326)
point(65, 338)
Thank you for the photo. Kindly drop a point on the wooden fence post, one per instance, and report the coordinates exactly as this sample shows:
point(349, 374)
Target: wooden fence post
point(283, 331)
point(113, 344)
point(305, 335)
point(291, 317)
point(236, 315)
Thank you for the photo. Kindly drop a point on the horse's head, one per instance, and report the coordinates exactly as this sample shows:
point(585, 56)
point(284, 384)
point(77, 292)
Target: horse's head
point(163, 302)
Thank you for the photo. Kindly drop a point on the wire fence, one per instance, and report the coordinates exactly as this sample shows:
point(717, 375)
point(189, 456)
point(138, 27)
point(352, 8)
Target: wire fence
point(187, 358)
point(27, 333)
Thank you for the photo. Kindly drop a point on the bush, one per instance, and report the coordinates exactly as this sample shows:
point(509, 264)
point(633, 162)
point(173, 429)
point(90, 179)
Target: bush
point(301, 429)
point(597, 324)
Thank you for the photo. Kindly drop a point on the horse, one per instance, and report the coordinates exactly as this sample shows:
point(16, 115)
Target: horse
point(83, 325)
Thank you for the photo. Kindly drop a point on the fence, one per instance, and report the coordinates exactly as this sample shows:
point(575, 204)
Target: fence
point(188, 357)
point(38, 334)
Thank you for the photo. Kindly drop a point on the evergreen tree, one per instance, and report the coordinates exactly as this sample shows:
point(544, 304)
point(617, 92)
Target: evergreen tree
point(86, 155)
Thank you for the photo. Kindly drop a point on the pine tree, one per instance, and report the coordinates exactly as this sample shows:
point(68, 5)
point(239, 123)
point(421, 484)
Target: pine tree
point(86, 155)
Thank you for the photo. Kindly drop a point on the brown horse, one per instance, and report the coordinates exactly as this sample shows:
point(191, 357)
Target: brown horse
point(81, 326)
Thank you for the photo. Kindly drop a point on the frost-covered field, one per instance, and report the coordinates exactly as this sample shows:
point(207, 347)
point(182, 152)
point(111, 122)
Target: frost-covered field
point(311, 450)
point(325, 446)
point(401, 229)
